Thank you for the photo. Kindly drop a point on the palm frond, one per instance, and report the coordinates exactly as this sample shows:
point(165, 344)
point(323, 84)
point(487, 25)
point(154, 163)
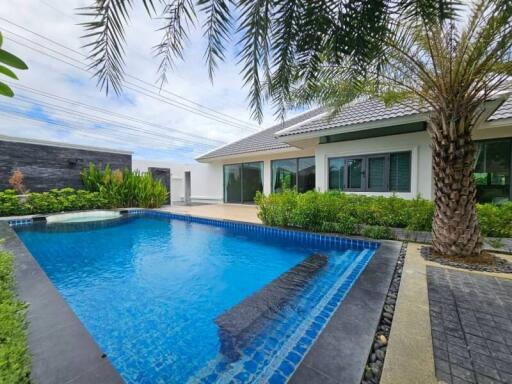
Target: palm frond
point(428, 11)
point(255, 26)
point(217, 27)
point(107, 29)
point(179, 15)
point(284, 40)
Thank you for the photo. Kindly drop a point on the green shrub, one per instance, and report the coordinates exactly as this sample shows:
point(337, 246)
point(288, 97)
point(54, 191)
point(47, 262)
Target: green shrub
point(66, 199)
point(420, 213)
point(377, 232)
point(495, 220)
point(14, 353)
point(10, 204)
point(277, 209)
point(345, 213)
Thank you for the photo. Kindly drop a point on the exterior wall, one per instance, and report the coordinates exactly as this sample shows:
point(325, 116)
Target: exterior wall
point(206, 179)
point(267, 167)
point(418, 143)
point(421, 159)
point(52, 166)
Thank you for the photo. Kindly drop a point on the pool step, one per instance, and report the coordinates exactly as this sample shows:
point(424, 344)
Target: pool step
point(237, 324)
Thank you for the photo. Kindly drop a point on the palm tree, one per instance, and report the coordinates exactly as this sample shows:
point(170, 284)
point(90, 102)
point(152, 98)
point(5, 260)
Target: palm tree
point(447, 61)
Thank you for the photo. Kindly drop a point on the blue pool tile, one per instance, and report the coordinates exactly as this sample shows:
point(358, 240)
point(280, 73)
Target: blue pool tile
point(294, 357)
point(277, 378)
point(250, 366)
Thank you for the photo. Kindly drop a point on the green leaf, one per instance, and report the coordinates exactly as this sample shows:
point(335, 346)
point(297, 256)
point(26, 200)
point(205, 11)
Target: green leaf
point(7, 72)
point(5, 90)
point(1, 39)
point(11, 60)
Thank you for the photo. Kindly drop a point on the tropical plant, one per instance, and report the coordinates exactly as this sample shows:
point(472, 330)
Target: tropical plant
point(8, 60)
point(448, 63)
point(125, 189)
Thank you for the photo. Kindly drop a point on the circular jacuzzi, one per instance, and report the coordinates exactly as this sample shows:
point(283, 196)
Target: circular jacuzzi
point(81, 217)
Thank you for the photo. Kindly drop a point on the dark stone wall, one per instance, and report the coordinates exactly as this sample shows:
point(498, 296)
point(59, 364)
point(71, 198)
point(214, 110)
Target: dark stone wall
point(164, 175)
point(45, 167)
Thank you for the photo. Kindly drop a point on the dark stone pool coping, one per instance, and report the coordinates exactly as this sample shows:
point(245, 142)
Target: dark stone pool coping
point(340, 353)
point(62, 349)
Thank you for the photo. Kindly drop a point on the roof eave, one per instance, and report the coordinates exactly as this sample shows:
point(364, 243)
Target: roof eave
point(248, 154)
point(354, 128)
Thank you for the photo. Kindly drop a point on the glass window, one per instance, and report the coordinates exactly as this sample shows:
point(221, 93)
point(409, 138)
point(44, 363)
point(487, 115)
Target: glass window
point(336, 173)
point(293, 173)
point(492, 170)
point(400, 172)
point(242, 181)
point(376, 173)
point(233, 183)
point(284, 174)
point(354, 173)
point(306, 172)
point(252, 180)
point(386, 172)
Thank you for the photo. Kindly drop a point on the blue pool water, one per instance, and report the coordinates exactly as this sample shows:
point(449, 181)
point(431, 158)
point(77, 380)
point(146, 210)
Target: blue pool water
point(149, 288)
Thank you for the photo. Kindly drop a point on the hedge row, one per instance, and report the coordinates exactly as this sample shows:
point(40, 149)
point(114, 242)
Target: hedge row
point(349, 213)
point(66, 199)
point(14, 353)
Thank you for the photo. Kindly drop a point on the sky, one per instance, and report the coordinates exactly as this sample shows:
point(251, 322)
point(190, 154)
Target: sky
point(57, 100)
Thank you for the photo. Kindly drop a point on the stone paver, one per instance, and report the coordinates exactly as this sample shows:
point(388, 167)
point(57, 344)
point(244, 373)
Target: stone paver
point(471, 320)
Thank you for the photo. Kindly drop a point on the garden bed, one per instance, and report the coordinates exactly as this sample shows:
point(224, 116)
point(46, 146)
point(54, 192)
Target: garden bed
point(14, 353)
point(486, 262)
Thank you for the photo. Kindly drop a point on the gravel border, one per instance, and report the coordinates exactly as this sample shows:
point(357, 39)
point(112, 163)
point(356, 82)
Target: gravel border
point(375, 362)
point(502, 265)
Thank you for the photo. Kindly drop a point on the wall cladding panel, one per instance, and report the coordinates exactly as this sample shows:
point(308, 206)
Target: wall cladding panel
point(45, 167)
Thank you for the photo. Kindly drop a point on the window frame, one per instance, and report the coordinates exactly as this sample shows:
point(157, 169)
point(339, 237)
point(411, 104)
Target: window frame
point(495, 139)
point(296, 186)
point(365, 182)
point(387, 165)
point(242, 201)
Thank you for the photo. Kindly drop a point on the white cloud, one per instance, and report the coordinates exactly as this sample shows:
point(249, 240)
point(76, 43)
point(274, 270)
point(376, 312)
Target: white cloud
point(58, 21)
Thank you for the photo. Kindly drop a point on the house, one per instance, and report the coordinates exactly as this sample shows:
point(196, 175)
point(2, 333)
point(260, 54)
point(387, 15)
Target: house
point(365, 148)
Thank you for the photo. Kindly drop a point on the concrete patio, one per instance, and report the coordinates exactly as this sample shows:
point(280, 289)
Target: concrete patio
point(237, 212)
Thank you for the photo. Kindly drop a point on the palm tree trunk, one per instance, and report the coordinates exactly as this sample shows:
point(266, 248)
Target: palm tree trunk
point(455, 229)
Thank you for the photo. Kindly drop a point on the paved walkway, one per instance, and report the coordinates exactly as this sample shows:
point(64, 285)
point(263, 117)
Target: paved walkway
point(471, 318)
point(239, 212)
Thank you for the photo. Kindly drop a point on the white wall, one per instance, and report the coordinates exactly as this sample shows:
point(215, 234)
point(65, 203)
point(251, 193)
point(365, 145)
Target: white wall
point(421, 159)
point(267, 159)
point(206, 179)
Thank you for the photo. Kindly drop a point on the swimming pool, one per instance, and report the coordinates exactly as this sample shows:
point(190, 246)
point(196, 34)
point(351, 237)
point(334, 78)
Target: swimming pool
point(158, 291)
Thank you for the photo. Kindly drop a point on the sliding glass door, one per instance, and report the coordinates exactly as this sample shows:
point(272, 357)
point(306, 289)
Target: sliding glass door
point(296, 174)
point(242, 181)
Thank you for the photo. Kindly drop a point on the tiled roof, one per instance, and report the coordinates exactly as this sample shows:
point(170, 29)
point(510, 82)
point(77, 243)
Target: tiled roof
point(262, 141)
point(363, 111)
point(366, 111)
point(504, 111)
point(358, 112)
